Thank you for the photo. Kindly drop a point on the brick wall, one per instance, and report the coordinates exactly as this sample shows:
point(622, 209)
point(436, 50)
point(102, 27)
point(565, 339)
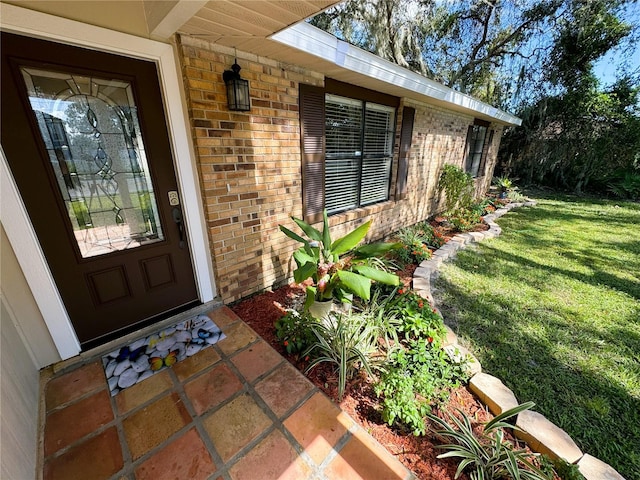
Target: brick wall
point(249, 165)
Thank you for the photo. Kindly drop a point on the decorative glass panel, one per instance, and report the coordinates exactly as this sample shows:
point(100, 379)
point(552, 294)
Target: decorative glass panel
point(91, 130)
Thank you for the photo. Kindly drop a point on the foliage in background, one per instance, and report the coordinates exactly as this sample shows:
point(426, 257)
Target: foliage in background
point(470, 45)
point(487, 455)
point(557, 296)
point(578, 132)
point(625, 184)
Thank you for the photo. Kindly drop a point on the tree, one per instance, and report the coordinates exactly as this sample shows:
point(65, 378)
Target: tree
point(474, 46)
point(578, 135)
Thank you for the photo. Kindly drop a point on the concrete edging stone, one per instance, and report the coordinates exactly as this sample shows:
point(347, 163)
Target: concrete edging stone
point(538, 432)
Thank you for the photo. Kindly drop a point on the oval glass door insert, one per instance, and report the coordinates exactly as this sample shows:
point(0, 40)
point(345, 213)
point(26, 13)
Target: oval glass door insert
point(92, 135)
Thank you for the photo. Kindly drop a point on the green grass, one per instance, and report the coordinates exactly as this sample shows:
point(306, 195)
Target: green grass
point(552, 307)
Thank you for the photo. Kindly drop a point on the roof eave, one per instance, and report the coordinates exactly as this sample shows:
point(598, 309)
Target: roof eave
point(390, 77)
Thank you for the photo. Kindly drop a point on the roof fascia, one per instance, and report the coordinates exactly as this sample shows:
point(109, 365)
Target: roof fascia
point(312, 40)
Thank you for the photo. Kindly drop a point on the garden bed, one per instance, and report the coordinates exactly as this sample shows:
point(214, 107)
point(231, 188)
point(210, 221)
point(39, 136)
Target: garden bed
point(417, 453)
point(392, 325)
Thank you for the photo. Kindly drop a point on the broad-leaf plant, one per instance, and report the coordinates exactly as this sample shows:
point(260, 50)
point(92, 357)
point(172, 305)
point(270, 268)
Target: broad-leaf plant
point(339, 269)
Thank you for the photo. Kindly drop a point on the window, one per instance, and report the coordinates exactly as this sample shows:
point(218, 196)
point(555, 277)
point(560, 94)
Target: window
point(359, 150)
point(347, 136)
point(476, 148)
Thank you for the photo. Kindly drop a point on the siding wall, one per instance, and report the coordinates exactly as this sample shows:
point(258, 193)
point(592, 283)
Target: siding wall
point(250, 165)
point(26, 346)
point(20, 399)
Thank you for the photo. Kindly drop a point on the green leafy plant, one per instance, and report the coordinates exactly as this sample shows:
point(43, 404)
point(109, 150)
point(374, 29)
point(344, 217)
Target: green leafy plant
point(625, 185)
point(419, 320)
point(376, 313)
point(431, 236)
point(560, 467)
point(465, 219)
point(487, 455)
point(347, 341)
point(414, 248)
point(294, 331)
point(416, 375)
point(504, 183)
point(339, 269)
point(515, 196)
point(457, 186)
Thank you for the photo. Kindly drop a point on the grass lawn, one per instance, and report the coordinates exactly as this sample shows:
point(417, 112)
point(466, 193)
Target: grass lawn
point(552, 307)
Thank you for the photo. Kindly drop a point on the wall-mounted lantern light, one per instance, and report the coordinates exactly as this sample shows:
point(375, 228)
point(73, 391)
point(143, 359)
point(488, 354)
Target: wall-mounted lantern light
point(237, 89)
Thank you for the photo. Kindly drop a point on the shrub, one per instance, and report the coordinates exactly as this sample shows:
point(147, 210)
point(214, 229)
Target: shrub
point(419, 320)
point(464, 219)
point(625, 185)
point(457, 186)
point(294, 331)
point(414, 248)
point(415, 377)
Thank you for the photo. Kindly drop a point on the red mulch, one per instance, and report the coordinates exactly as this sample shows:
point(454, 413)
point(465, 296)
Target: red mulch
point(360, 402)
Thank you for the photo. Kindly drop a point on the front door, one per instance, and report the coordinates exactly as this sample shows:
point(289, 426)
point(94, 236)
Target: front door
point(86, 139)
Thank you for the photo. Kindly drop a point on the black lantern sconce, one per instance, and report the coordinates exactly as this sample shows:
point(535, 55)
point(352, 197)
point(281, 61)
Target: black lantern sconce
point(237, 89)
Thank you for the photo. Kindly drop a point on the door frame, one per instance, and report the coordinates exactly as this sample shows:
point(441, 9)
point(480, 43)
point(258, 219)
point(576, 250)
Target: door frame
point(13, 213)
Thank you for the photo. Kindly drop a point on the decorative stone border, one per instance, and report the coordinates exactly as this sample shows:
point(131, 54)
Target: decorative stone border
point(538, 432)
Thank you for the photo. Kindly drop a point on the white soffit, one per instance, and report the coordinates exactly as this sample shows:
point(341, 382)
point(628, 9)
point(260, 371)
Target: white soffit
point(235, 22)
point(337, 59)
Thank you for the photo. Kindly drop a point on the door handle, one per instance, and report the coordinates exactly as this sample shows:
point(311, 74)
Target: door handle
point(177, 217)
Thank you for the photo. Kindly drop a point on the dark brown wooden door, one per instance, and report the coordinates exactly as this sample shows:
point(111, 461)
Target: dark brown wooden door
point(86, 139)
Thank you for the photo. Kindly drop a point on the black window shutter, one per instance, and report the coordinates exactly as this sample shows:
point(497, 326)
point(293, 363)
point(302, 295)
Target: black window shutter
point(406, 136)
point(485, 154)
point(312, 143)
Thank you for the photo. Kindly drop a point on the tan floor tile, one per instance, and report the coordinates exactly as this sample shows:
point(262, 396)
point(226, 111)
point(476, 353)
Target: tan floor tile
point(152, 425)
point(363, 458)
point(283, 388)
point(273, 458)
point(75, 384)
point(235, 425)
point(223, 317)
point(196, 363)
point(134, 396)
point(256, 360)
point(187, 457)
point(238, 336)
point(100, 455)
point(79, 419)
point(318, 425)
point(212, 388)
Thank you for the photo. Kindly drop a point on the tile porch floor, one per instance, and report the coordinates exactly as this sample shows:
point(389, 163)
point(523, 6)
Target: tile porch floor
point(236, 410)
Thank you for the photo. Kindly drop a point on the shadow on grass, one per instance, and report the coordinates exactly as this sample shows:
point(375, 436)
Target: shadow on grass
point(597, 412)
point(582, 372)
point(597, 278)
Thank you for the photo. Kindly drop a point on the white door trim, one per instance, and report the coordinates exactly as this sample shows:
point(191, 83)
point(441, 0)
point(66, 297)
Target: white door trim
point(14, 217)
